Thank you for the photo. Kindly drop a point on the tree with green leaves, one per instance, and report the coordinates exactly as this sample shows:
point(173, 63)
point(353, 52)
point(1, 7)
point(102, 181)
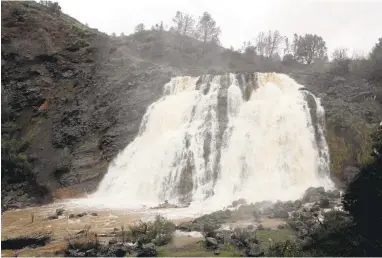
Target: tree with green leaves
point(375, 59)
point(140, 27)
point(207, 30)
point(309, 48)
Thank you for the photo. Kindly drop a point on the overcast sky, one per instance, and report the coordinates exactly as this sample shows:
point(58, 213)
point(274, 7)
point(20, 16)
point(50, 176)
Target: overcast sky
point(353, 24)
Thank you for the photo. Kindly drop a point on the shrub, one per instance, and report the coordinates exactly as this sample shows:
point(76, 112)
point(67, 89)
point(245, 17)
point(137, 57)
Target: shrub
point(160, 231)
point(53, 7)
point(287, 248)
point(244, 238)
point(375, 58)
point(15, 166)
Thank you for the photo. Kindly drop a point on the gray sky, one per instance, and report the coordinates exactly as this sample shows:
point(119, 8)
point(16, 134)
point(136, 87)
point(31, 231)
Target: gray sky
point(347, 23)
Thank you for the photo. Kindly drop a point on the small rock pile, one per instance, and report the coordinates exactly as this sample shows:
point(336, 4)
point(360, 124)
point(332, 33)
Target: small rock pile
point(60, 212)
point(243, 239)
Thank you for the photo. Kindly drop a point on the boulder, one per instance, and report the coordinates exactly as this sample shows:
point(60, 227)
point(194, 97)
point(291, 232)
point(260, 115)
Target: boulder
point(223, 236)
point(315, 207)
point(51, 217)
point(335, 194)
point(112, 241)
point(312, 194)
point(211, 242)
point(81, 215)
point(91, 253)
point(324, 203)
point(59, 211)
point(253, 251)
point(147, 250)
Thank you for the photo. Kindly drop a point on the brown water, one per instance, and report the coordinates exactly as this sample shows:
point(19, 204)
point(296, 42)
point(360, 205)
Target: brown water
point(19, 223)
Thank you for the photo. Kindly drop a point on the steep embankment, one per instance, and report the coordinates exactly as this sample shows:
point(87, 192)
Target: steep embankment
point(73, 97)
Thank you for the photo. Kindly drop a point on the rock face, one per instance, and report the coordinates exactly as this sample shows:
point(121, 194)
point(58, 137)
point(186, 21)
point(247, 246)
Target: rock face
point(74, 97)
point(352, 112)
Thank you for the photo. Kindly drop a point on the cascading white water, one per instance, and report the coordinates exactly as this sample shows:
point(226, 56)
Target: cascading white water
point(214, 139)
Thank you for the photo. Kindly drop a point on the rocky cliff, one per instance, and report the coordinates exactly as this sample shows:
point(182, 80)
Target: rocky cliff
point(73, 97)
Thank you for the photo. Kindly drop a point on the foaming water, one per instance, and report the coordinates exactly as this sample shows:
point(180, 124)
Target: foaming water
point(213, 139)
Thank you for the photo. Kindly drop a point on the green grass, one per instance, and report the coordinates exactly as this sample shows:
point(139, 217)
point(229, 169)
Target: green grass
point(276, 235)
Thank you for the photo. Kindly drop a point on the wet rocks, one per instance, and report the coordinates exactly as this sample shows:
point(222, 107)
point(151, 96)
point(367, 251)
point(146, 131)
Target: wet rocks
point(52, 217)
point(147, 250)
point(211, 242)
point(211, 221)
point(324, 203)
point(165, 205)
point(60, 211)
point(253, 250)
point(313, 194)
point(333, 194)
point(82, 214)
point(112, 241)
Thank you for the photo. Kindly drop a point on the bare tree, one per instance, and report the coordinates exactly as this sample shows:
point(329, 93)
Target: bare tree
point(140, 27)
point(287, 47)
point(340, 54)
point(188, 25)
point(260, 43)
point(294, 46)
point(178, 22)
point(341, 61)
point(273, 42)
point(268, 44)
point(207, 29)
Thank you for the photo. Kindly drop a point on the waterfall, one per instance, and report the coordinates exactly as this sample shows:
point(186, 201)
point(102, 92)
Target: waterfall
point(216, 138)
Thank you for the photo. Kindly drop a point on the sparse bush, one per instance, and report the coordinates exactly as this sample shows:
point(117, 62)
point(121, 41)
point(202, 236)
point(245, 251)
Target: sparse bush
point(160, 231)
point(287, 248)
point(244, 238)
point(140, 27)
point(15, 166)
point(53, 7)
point(81, 243)
point(375, 58)
point(341, 62)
